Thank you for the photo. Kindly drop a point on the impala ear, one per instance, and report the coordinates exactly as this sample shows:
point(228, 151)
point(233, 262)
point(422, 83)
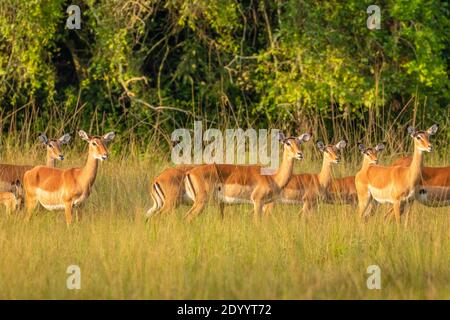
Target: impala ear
point(43, 138)
point(109, 136)
point(304, 137)
point(361, 147)
point(341, 144)
point(411, 131)
point(64, 139)
point(320, 145)
point(433, 129)
point(379, 147)
point(14, 185)
point(281, 136)
point(83, 135)
point(16, 188)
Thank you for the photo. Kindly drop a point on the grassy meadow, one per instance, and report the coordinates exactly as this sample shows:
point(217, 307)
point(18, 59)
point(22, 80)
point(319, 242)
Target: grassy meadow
point(282, 257)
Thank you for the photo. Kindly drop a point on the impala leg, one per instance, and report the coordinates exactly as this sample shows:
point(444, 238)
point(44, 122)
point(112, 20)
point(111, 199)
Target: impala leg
point(167, 207)
point(407, 207)
point(307, 208)
point(31, 203)
point(222, 209)
point(196, 209)
point(170, 202)
point(257, 209)
point(397, 211)
point(364, 200)
point(198, 206)
point(267, 208)
point(370, 207)
point(68, 212)
point(9, 208)
point(389, 213)
point(78, 214)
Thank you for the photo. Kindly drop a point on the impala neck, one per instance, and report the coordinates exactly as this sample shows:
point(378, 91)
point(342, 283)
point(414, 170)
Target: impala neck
point(50, 161)
point(284, 172)
point(89, 171)
point(415, 169)
point(365, 164)
point(325, 173)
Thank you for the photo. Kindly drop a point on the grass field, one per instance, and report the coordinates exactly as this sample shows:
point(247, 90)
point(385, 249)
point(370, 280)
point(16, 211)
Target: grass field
point(283, 257)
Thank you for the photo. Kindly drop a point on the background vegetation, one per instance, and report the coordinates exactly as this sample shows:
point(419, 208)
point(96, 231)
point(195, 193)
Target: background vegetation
point(145, 67)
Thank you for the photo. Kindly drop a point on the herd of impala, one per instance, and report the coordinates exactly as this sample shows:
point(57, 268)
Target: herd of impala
point(401, 183)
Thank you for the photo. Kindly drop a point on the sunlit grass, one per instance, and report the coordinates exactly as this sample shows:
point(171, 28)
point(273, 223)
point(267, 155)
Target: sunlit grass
point(283, 256)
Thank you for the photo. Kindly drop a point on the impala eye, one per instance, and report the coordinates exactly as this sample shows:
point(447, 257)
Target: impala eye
point(94, 144)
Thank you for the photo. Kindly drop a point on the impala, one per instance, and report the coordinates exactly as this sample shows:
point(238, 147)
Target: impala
point(434, 184)
point(13, 198)
point(11, 173)
point(57, 189)
point(167, 190)
point(308, 188)
point(233, 184)
point(397, 184)
point(370, 158)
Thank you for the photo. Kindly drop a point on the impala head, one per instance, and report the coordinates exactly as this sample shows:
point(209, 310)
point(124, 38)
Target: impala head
point(331, 153)
point(97, 145)
point(422, 138)
point(17, 191)
point(54, 145)
point(292, 145)
point(371, 154)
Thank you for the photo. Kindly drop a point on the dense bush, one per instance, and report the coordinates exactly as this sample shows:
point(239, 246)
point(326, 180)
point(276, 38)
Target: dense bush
point(146, 67)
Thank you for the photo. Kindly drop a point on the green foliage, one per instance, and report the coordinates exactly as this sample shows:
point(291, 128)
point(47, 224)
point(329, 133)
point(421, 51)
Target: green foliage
point(145, 67)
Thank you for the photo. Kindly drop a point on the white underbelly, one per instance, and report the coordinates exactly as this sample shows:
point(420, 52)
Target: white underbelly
point(232, 200)
point(234, 193)
point(50, 200)
point(385, 195)
point(381, 195)
point(53, 207)
point(289, 201)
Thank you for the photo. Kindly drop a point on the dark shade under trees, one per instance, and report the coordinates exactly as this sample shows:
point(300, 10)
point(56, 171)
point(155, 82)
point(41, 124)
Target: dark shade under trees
point(145, 68)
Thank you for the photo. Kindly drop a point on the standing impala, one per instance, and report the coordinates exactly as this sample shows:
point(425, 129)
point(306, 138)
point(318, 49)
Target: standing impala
point(57, 189)
point(11, 173)
point(370, 158)
point(168, 191)
point(398, 184)
point(233, 184)
point(434, 184)
point(308, 188)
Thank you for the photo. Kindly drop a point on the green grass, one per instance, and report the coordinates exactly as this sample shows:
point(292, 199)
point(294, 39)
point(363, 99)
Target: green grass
point(282, 257)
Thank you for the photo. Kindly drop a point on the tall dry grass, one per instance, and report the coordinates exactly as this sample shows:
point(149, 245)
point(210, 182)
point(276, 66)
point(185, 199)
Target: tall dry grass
point(284, 256)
